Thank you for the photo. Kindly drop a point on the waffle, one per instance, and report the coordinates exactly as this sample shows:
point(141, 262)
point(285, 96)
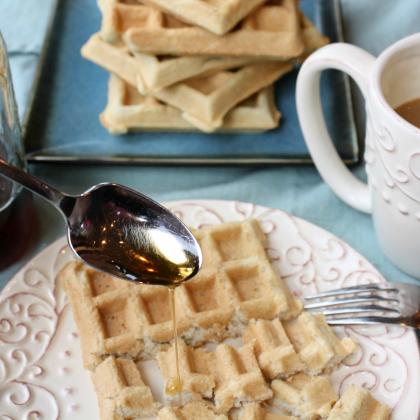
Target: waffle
point(195, 369)
point(316, 344)
point(236, 283)
point(121, 391)
point(304, 396)
point(238, 378)
point(115, 317)
point(83, 287)
point(233, 375)
point(272, 31)
point(236, 266)
point(217, 16)
point(276, 356)
point(313, 39)
point(159, 72)
point(151, 73)
point(358, 404)
point(205, 100)
point(258, 412)
point(127, 110)
point(191, 411)
point(117, 59)
point(232, 241)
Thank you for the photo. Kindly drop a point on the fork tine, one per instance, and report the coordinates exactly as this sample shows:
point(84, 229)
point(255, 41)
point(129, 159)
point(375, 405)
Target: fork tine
point(347, 301)
point(364, 288)
point(363, 320)
point(347, 310)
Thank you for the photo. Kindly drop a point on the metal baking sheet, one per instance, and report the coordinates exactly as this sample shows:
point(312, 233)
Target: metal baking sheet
point(62, 122)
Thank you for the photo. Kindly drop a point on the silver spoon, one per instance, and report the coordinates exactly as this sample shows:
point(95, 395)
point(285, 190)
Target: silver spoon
point(120, 231)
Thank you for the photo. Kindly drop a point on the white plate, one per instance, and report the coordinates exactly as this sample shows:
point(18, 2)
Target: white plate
point(41, 373)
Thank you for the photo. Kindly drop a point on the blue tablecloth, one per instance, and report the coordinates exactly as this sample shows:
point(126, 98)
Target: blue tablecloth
point(372, 24)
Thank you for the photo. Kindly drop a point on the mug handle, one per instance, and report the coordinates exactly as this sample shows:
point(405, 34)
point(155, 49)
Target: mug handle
point(358, 64)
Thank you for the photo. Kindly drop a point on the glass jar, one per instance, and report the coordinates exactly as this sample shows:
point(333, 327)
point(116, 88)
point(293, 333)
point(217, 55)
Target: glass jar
point(18, 223)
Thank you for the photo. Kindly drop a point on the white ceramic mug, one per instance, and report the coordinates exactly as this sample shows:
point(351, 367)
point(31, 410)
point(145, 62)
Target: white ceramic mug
point(392, 153)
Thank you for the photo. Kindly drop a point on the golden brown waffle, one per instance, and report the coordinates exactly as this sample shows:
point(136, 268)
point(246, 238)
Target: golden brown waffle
point(116, 59)
point(127, 110)
point(233, 375)
point(115, 317)
point(304, 396)
point(217, 16)
point(232, 241)
point(205, 100)
point(258, 412)
point(312, 38)
point(191, 411)
point(151, 73)
point(238, 378)
point(276, 356)
point(237, 282)
point(121, 391)
point(236, 266)
point(316, 343)
point(358, 404)
point(272, 31)
point(195, 367)
point(100, 332)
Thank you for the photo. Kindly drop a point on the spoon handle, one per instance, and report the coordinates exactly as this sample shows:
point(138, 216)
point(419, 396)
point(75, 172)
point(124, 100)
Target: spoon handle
point(33, 183)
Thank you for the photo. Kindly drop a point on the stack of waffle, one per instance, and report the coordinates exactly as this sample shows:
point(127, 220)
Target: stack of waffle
point(277, 369)
point(197, 64)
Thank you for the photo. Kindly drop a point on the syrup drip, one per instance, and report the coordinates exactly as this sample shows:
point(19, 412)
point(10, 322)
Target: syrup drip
point(174, 385)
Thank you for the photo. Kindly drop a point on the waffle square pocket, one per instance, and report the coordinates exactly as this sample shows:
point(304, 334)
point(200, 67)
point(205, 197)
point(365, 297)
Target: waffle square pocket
point(128, 110)
point(272, 31)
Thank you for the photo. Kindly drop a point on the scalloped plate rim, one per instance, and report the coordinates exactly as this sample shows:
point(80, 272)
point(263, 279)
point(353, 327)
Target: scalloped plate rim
point(219, 204)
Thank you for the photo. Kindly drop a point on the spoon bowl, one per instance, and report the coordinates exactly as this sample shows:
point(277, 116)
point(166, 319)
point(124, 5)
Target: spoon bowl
point(121, 231)
point(127, 234)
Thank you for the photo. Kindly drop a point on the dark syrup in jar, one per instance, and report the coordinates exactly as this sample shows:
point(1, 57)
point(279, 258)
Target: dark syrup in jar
point(18, 225)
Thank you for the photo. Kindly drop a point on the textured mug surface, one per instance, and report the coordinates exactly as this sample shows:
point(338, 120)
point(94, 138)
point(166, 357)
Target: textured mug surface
point(392, 144)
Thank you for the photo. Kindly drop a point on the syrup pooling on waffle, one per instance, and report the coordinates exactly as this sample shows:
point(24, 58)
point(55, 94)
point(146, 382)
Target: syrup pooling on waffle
point(217, 16)
point(304, 396)
point(271, 31)
point(195, 369)
point(233, 375)
point(128, 110)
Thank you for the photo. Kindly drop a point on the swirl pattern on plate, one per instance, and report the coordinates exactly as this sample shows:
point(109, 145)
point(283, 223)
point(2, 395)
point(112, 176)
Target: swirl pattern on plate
point(40, 365)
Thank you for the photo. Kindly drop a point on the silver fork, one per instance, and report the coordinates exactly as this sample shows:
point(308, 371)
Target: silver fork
point(394, 303)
